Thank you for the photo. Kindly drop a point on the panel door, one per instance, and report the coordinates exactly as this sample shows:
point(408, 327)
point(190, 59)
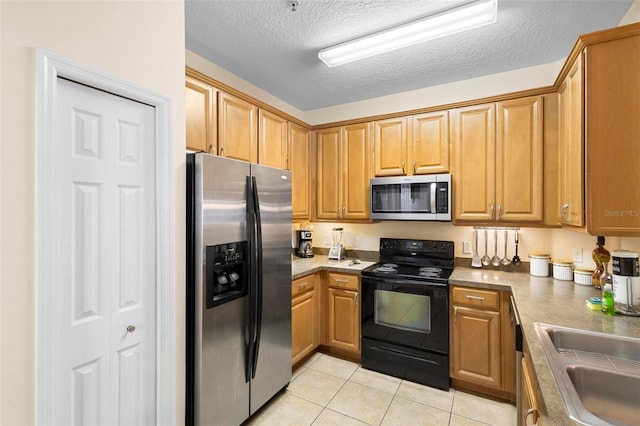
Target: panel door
point(273, 140)
point(344, 320)
point(300, 171)
point(329, 174)
point(474, 163)
point(519, 160)
point(612, 90)
point(390, 147)
point(237, 128)
point(105, 269)
point(571, 170)
point(475, 351)
point(356, 158)
point(429, 147)
point(302, 326)
point(201, 116)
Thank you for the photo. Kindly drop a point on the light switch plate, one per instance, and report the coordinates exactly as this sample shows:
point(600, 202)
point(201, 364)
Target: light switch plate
point(577, 255)
point(466, 247)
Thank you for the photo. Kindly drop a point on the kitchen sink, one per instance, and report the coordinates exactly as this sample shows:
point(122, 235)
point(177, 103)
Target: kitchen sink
point(598, 374)
point(566, 340)
point(609, 395)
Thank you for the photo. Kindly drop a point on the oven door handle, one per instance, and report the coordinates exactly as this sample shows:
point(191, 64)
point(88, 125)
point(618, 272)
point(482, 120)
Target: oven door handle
point(403, 353)
point(403, 281)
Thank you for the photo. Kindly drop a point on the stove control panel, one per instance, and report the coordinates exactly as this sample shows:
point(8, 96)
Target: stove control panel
point(421, 246)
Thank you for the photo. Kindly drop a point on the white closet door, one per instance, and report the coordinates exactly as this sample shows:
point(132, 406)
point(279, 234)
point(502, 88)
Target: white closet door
point(105, 358)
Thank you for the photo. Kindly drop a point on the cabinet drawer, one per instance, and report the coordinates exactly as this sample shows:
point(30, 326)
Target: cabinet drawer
point(348, 282)
point(302, 285)
point(475, 298)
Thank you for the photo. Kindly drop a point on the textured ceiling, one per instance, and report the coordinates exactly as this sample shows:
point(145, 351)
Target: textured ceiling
point(267, 44)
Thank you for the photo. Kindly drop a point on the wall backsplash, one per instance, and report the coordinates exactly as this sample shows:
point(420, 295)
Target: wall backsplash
point(559, 243)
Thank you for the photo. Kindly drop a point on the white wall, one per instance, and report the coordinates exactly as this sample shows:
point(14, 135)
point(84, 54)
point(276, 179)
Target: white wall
point(139, 41)
point(559, 243)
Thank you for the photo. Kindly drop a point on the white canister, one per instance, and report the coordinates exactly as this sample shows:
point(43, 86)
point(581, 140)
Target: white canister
point(539, 264)
point(626, 277)
point(582, 276)
point(562, 269)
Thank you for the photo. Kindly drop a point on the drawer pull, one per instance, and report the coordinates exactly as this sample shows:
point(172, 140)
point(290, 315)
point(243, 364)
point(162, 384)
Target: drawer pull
point(303, 285)
point(468, 296)
point(342, 281)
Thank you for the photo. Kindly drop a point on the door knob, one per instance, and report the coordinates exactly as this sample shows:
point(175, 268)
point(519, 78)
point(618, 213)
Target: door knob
point(131, 328)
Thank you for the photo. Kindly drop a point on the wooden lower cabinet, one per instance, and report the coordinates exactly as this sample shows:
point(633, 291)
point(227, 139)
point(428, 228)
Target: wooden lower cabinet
point(475, 355)
point(482, 353)
point(530, 394)
point(343, 313)
point(305, 317)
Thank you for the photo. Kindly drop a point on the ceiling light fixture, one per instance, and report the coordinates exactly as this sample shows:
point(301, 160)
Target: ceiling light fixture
point(465, 17)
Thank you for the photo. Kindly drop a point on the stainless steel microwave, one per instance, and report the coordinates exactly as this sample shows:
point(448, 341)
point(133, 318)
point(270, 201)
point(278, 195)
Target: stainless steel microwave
point(425, 197)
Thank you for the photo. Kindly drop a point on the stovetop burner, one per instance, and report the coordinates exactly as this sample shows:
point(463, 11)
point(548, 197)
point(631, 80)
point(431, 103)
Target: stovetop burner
point(386, 269)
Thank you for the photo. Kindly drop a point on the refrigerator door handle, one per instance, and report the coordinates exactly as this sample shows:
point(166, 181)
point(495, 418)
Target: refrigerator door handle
point(258, 277)
point(250, 309)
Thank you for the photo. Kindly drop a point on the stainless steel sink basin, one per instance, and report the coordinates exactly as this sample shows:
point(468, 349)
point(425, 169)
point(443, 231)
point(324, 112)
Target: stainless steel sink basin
point(598, 375)
point(565, 340)
point(608, 395)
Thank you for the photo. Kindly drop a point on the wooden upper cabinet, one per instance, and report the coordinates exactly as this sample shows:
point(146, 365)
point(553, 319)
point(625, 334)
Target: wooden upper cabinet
point(237, 128)
point(328, 199)
point(474, 163)
point(390, 147)
point(413, 145)
point(201, 116)
point(273, 140)
point(612, 134)
point(429, 146)
point(519, 160)
point(356, 156)
point(343, 157)
point(498, 170)
point(571, 151)
point(300, 171)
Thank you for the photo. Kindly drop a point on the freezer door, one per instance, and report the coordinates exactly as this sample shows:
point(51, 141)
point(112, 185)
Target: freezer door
point(273, 366)
point(221, 389)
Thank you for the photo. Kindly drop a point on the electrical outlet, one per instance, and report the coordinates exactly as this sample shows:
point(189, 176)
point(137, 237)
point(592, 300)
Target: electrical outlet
point(466, 247)
point(326, 239)
point(577, 255)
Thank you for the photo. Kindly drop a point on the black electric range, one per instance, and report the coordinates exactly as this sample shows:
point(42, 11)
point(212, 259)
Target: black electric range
point(405, 311)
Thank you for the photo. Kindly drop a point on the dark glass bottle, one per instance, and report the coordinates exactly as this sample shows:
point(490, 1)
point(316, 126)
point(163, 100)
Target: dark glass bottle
point(601, 258)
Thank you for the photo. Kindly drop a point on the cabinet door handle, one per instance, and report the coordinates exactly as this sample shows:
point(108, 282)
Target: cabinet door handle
point(222, 152)
point(356, 299)
point(492, 212)
point(530, 411)
point(414, 167)
point(455, 314)
point(468, 296)
point(499, 211)
point(210, 150)
point(403, 172)
point(563, 212)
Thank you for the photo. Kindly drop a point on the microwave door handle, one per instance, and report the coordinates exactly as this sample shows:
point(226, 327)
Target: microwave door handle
point(433, 197)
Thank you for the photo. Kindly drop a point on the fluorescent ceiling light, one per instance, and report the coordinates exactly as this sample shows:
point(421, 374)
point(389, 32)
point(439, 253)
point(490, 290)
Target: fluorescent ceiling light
point(468, 16)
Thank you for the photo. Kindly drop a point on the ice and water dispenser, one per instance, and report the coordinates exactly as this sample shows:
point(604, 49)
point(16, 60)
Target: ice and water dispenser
point(226, 273)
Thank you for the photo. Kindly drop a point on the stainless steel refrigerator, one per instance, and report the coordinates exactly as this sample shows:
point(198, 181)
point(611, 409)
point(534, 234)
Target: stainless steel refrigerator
point(238, 288)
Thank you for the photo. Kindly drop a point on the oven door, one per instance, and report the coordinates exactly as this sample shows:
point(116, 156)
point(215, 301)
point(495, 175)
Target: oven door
point(410, 313)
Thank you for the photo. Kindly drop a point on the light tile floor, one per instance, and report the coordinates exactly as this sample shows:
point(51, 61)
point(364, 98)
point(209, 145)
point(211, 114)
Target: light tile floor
point(327, 391)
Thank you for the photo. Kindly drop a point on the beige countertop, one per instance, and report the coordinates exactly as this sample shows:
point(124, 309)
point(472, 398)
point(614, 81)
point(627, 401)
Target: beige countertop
point(553, 302)
point(305, 266)
point(537, 299)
